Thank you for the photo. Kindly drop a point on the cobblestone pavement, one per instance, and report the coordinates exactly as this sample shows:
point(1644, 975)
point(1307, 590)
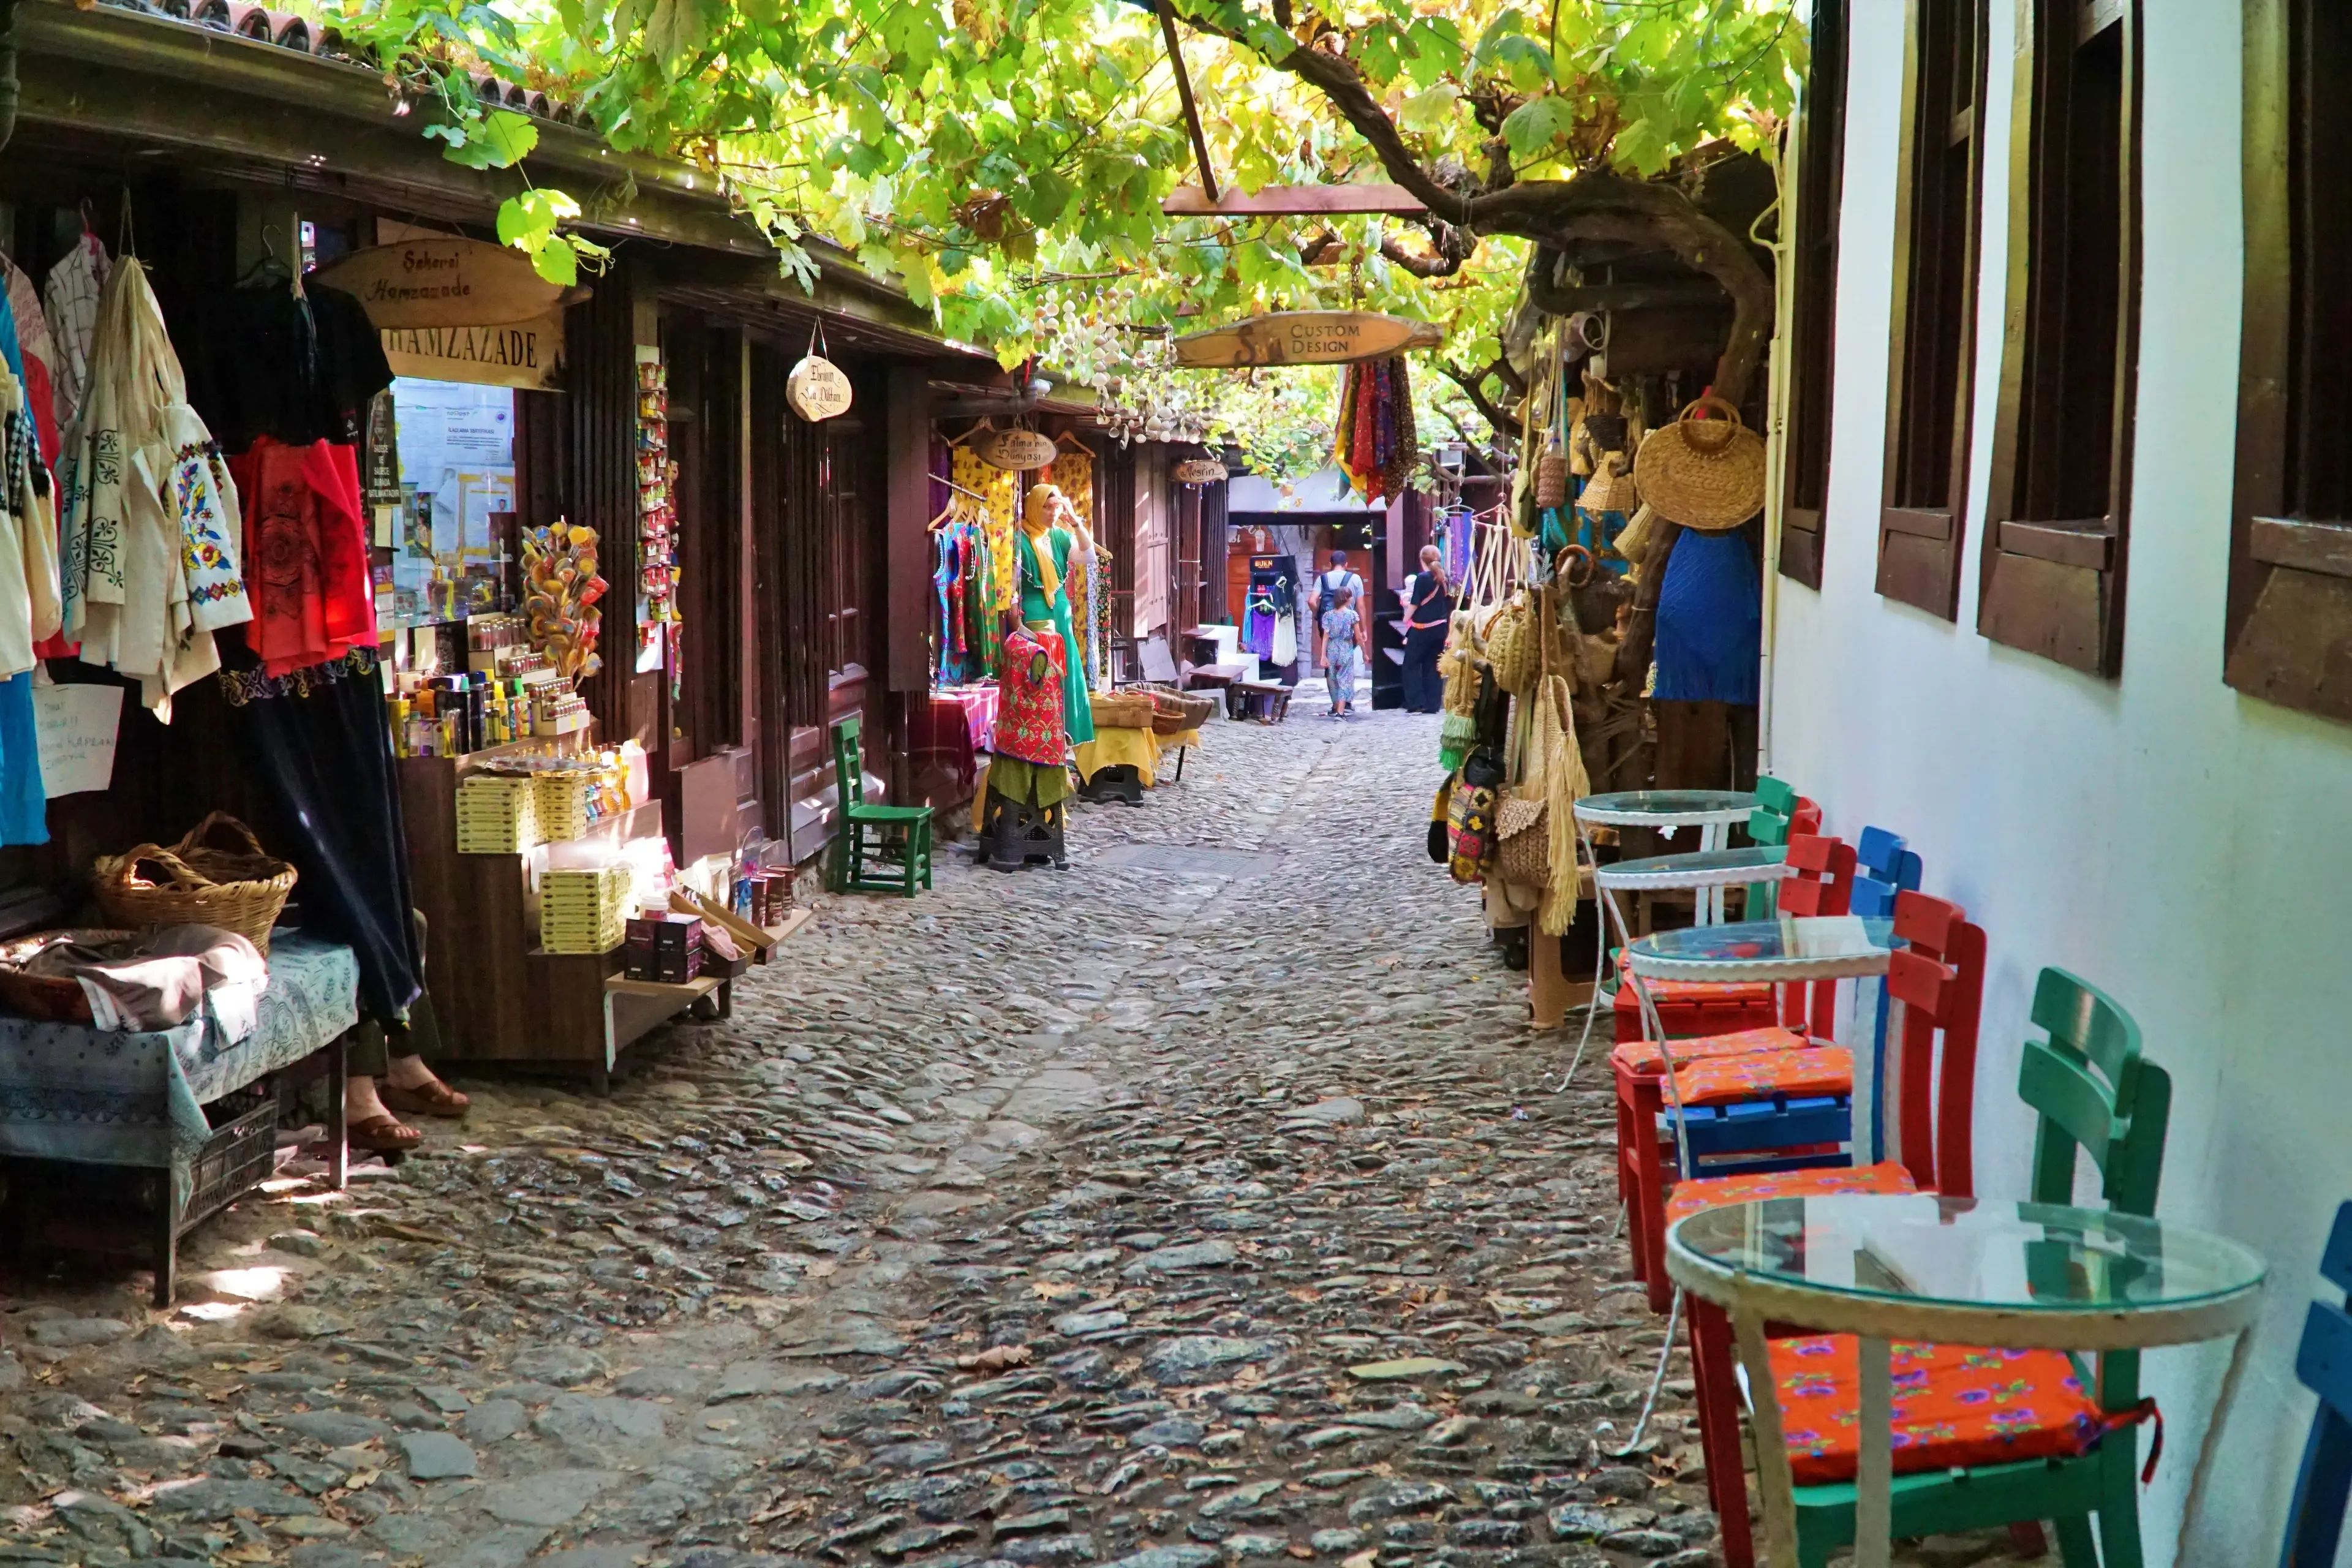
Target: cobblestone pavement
point(1196, 1205)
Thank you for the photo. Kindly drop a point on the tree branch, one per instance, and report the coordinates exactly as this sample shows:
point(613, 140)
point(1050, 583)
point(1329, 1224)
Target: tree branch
point(1474, 386)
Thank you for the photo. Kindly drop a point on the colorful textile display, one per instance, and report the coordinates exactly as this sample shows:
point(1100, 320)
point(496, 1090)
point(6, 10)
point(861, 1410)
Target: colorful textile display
point(1375, 442)
point(307, 539)
point(148, 517)
point(1044, 551)
point(1031, 685)
point(997, 487)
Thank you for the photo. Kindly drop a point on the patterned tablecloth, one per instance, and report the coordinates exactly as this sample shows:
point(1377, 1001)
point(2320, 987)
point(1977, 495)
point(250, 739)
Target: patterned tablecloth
point(69, 1091)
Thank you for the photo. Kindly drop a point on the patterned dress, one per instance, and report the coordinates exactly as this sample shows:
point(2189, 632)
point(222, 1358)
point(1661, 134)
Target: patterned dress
point(1341, 658)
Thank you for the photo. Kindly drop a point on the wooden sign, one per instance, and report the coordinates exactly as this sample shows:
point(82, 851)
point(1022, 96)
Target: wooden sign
point(526, 354)
point(443, 282)
point(1200, 471)
point(817, 389)
point(1307, 337)
point(1019, 450)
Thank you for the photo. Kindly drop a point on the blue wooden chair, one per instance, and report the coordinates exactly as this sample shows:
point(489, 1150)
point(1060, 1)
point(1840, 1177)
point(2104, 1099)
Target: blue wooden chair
point(2323, 1363)
point(1883, 865)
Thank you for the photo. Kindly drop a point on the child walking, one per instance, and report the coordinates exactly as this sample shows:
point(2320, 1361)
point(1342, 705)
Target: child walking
point(1341, 658)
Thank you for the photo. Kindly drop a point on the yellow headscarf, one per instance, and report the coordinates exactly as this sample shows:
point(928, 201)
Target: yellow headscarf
point(1038, 513)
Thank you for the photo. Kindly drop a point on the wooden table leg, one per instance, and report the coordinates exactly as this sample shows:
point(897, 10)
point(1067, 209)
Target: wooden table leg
point(1873, 1494)
point(167, 1243)
point(338, 1144)
point(1547, 982)
point(1774, 1483)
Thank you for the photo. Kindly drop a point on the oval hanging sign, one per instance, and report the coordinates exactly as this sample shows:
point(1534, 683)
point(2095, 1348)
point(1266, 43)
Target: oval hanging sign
point(443, 282)
point(817, 389)
point(1199, 471)
point(1019, 450)
point(1307, 337)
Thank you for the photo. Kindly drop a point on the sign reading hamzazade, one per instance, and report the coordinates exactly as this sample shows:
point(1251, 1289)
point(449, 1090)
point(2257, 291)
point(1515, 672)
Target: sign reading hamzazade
point(457, 309)
point(1307, 337)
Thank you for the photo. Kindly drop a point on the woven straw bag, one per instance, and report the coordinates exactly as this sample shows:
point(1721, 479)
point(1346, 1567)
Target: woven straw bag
point(238, 889)
point(1513, 649)
point(1551, 476)
point(1523, 839)
point(1612, 487)
point(1707, 474)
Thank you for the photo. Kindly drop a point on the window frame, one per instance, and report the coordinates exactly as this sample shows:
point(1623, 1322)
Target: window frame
point(1811, 340)
point(2287, 635)
point(2055, 586)
point(1919, 546)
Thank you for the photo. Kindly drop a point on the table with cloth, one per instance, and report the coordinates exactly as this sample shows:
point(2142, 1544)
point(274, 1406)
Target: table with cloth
point(1120, 746)
point(74, 1092)
point(948, 736)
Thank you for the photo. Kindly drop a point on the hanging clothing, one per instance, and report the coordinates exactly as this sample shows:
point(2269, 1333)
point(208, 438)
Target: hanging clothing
point(147, 513)
point(23, 799)
point(1045, 559)
point(1710, 620)
point(306, 536)
point(318, 749)
point(71, 305)
point(34, 360)
point(297, 369)
point(1031, 696)
point(29, 610)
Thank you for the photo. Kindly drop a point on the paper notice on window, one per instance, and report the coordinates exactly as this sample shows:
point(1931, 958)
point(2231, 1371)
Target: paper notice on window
point(77, 726)
point(1825, 936)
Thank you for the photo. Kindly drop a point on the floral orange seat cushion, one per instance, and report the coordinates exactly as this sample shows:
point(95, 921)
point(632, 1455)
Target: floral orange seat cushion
point(1665, 992)
point(1719, 1191)
point(1761, 1075)
point(1642, 1057)
point(1955, 1406)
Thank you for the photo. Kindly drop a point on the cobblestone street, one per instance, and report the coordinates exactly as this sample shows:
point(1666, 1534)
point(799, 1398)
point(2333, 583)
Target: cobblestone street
point(1200, 1204)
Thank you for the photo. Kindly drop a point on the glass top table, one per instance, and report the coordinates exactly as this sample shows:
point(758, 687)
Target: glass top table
point(1667, 808)
point(1827, 947)
point(1954, 1271)
point(1702, 869)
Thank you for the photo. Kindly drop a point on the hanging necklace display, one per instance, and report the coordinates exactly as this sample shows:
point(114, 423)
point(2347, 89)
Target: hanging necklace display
point(817, 388)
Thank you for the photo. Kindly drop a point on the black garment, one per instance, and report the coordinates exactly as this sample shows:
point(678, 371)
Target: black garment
point(262, 362)
point(317, 749)
point(1426, 600)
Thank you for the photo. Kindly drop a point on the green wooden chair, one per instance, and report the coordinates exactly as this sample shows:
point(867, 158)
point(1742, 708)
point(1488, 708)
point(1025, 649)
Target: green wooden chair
point(2094, 1095)
point(880, 848)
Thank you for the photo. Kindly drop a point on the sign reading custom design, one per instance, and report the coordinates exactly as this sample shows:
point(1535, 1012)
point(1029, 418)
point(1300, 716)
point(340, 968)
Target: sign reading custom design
point(1019, 450)
point(817, 389)
point(525, 354)
point(1200, 471)
point(1307, 337)
point(443, 282)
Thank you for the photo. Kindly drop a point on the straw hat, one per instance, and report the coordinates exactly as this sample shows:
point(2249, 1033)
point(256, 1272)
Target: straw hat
point(1611, 485)
point(1707, 474)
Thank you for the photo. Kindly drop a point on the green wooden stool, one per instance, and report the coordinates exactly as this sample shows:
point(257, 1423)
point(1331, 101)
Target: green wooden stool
point(880, 848)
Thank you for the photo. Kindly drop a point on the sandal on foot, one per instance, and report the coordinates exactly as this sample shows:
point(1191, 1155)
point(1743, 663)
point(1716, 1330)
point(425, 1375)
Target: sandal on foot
point(381, 1135)
point(431, 1098)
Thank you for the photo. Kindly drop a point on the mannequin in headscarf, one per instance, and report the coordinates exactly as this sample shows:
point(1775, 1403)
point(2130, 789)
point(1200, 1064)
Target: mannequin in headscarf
point(1051, 532)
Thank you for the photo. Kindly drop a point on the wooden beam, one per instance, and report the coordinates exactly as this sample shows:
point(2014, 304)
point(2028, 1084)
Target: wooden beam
point(1184, 97)
point(1292, 201)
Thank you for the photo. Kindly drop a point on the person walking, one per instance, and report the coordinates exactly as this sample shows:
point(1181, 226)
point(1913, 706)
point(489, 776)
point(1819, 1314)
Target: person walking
point(1428, 611)
point(1342, 658)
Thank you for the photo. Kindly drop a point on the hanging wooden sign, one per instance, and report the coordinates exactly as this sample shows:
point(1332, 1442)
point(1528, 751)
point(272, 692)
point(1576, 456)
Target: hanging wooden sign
point(525, 354)
point(443, 282)
point(817, 389)
point(1307, 337)
point(1019, 450)
point(1200, 471)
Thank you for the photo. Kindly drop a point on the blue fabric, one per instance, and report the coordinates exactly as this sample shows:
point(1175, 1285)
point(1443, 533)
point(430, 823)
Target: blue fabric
point(23, 800)
point(1710, 621)
point(69, 1091)
point(10, 349)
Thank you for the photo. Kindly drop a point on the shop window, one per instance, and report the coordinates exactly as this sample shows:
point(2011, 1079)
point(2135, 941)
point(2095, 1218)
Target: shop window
point(1821, 174)
point(452, 554)
point(1940, 171)
point(2054, 551)
point(2290, 604)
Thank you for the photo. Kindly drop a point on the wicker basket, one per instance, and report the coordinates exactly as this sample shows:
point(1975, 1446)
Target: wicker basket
point(1707, 474)
point(239, 890)
point(1122, 710)
point(49, 998)
point(1173, 711)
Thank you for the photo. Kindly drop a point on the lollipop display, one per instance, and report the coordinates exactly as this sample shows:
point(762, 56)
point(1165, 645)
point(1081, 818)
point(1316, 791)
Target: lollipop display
point(560, 588)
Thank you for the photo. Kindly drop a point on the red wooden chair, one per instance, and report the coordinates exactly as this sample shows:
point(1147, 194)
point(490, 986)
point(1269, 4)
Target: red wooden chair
point(1929, 1089)
point(1823, 884)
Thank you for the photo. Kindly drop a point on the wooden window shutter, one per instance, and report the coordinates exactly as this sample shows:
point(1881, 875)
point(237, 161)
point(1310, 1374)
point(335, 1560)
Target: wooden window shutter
point(1821, 174)
point(1940, 173)
point(2053, 557)
point(2290, 604)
